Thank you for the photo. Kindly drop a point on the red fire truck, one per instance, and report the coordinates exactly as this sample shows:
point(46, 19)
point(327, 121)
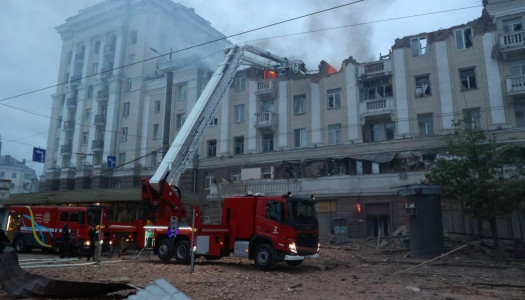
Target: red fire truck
point(41, 226)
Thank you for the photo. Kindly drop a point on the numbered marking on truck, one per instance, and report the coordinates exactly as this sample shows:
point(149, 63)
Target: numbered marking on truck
point(275, 231)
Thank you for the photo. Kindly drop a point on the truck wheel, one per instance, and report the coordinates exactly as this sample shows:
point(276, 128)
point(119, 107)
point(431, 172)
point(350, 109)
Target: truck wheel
point(294, 263)
point(182, 252)
point(165, 250)
point(20, 244)
point(264, 257)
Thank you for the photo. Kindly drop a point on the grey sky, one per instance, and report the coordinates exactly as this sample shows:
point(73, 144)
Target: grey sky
point(30, 46)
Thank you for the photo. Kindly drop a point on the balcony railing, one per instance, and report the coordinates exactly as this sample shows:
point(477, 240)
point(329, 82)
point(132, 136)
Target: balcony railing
point(513, 39)
point(516, 85)
point(69, 125)
point(259, 186)
point(100, 120)
point(66, 149)
point(266, 86)
point(377, 106)
point(97, 145)
point(266, 120)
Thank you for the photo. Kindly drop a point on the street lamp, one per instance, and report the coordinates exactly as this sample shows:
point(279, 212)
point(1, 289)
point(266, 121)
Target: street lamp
point(167, 106)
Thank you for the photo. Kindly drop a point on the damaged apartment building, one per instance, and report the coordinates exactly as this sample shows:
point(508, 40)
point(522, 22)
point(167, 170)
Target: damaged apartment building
point(349, 136)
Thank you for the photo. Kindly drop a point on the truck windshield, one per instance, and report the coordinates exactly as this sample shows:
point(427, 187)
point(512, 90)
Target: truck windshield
point(302, 211)
point(94, 215)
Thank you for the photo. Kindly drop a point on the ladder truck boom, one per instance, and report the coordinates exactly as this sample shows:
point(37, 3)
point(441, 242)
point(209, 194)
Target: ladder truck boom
point(159, 189)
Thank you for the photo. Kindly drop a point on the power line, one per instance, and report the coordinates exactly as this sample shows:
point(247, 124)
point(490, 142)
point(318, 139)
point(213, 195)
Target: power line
point(190, 47)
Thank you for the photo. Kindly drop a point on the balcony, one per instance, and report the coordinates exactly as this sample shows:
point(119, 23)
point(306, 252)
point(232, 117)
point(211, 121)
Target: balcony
point(378, 68)
point(516, 85)
point(266, 87)
point(71, 103)
point(100, 120)
point(75, 79)
point(69, 125)
point(102, 96)
point(266, 120)
point(376, 107)
point(97, 145)
point(66, 149)
point(512, 43)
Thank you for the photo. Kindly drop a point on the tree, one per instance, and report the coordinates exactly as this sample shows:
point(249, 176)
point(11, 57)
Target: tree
point(487, 177)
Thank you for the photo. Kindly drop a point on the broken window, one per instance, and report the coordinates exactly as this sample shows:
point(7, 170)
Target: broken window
point(512, 25)
point(422, 86)
point(468, 79)
point(334, 134)
point(334, 98)
point(209, 179)
point(426, 124)
point(472, 118)
point(267, 142)
point(212, 148)
point(300, 137)
point(377, 88)
point(238, 147)
point(419, 46)
point(463, 38)
point(299, 104)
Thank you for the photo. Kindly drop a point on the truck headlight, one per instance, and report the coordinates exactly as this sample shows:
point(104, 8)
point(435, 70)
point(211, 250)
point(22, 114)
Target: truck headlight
point(87, 243)
point(291, 246)
point(318, 246)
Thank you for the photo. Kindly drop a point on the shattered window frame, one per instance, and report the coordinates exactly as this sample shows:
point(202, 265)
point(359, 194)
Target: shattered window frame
point(419, 46)
point(334, 98)
point(421, 90)
point(299, 104)
point(464, 38)
point(467, 78)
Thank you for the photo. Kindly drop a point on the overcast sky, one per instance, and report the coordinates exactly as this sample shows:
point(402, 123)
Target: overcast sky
point(30, 46)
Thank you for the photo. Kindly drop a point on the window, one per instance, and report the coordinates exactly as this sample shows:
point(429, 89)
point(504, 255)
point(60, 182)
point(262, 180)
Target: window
point(212, 148)
point(334, 98)
point(96, 49)
point(124, 134)
point(121, 159)
point(275, 211)
point(267, 142)
point(13, 175)
point(214, 122)
point(334, 134)
point(156, 110)
point(380, 132)
point(426, 124)
point(155, 131)
point(154, 158)
point(63, 100)
point(468, 79)
point(378, 88)
point(422, 86)
point(299, 104)
point(125, 109)
point(180, 120)
point(238, 113)
point(517, 69)
point(2, 174)
point(90, 92)
point(238, 146)
point(209, 178)
point(472, 118)
point(236, 175)
point(130, 85)
point(266, 173)
point(463, 38)
point(300, 137)
point(133, 37)
point(419, 46)
point(63, 216)
point(94, 68)
point(240, 83)
point(85, 138)
point(519, 112)
point(512, 25)
point(375, 168)
point(182, 92)
point(131, 58)
point(66, 78)
point(87, 114)
point(59, 121)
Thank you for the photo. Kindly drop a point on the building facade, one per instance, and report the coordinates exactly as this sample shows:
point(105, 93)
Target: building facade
point(350, 137)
